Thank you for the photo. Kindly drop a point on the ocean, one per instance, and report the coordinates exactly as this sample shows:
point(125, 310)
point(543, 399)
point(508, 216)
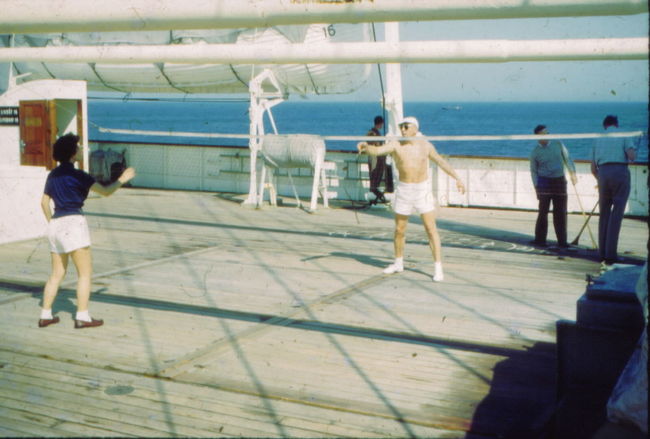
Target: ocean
point(355, 118)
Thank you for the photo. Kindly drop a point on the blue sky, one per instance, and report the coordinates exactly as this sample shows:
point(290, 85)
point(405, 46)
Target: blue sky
point(604, 81)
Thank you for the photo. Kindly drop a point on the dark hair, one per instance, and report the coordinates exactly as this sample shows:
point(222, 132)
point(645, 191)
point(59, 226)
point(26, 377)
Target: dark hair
point(539, 128)
point(65, 148)
point(610, 120)
point(379, 119)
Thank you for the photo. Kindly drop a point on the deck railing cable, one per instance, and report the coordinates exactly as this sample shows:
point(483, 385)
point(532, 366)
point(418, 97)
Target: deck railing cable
point(385, 138)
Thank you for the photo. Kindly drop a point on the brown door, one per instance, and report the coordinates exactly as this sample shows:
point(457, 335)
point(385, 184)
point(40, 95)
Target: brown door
point(35, 134)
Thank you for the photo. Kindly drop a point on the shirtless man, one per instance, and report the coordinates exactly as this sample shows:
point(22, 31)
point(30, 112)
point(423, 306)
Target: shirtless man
point(413, 192)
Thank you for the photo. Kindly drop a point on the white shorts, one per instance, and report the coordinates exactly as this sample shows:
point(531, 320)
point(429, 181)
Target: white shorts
point(413, 198)
point(68, 233)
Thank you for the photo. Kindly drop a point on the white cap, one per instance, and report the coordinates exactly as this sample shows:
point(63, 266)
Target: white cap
point(411, 120)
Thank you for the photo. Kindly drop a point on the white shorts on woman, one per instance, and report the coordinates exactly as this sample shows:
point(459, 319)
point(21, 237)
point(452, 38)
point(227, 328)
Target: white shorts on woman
point(68, 233)
point(413, 198)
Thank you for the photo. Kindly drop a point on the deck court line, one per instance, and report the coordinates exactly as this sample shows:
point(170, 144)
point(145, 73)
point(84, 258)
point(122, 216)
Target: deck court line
point(184, 364)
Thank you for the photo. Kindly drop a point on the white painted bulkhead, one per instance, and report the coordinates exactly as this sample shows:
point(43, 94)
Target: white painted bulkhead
point(21, 187)
point(491, 182)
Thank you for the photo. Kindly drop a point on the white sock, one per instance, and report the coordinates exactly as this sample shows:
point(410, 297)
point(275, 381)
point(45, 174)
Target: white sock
point(438, 276)
point(83, 315)
point(399, 262)
point(46, 314)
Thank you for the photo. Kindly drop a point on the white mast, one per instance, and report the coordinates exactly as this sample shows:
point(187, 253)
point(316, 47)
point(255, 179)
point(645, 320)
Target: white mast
point(393, 100)
point(393, 97)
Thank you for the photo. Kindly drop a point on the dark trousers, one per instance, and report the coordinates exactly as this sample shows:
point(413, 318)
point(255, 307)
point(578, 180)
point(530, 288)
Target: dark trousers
point(551, 190)
point(379, 170)
point(613, 192)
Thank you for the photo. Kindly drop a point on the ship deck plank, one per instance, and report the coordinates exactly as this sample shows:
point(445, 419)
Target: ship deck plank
point(230, 321)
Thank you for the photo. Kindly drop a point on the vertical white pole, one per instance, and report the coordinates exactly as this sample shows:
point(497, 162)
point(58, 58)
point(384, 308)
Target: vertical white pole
point(393, 96)
point(255, 113)
point(84, 120)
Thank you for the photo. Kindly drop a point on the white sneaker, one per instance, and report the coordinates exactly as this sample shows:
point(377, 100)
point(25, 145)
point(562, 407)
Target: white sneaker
point(393, 268)
point(438, 277)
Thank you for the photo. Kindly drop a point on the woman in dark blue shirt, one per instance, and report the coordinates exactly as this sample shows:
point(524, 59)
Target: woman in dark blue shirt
point(68, 233)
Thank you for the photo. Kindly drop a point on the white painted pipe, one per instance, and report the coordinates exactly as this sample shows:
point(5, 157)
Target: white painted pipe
point(454, 51)
point(37, 16)
point(468, 138)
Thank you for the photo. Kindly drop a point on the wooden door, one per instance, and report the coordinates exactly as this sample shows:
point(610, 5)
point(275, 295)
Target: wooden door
point(35, 134)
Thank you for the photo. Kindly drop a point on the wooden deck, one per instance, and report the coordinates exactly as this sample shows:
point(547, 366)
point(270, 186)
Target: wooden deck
point(229, 321)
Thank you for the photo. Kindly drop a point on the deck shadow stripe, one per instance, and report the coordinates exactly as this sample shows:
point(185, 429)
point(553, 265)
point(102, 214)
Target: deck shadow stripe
point(521, 245)
point(272, 320)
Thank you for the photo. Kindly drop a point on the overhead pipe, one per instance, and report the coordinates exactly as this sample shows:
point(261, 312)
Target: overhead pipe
point(453, 51)
point(38, 16)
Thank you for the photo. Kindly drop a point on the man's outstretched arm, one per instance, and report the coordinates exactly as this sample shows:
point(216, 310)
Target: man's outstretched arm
point(442, 163)
point(372, 150)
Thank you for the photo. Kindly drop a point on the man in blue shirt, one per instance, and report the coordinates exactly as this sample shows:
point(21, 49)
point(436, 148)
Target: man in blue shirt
point(547, 162)
point(610, 157)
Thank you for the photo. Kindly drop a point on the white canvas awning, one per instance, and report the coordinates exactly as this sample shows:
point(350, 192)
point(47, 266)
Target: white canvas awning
point(141, 62)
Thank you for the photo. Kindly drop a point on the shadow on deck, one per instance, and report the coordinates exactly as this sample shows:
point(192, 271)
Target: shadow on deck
point(276, 323)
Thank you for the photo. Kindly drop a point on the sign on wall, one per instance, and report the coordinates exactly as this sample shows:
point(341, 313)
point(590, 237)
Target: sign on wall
point(9, 116)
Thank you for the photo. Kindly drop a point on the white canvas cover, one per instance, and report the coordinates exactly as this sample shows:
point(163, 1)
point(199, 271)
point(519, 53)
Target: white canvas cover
point(201, 78)
point(293, 151)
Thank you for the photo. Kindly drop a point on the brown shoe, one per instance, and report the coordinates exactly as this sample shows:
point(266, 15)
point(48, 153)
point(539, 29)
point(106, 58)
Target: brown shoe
point(42, 323)
point(79, 324)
